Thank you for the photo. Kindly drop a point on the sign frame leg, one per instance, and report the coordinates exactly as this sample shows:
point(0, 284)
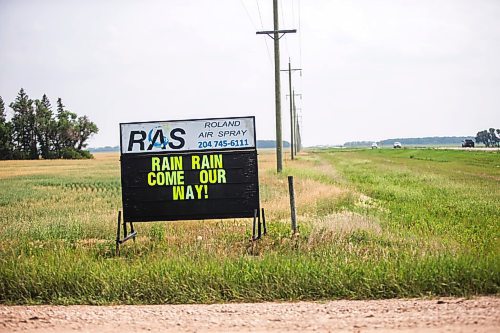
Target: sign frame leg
point(126, 235)
point(117, 250)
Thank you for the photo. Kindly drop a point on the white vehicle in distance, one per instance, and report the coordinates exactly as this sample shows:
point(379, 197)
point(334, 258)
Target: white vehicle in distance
point(374, 145)
point(397, 144)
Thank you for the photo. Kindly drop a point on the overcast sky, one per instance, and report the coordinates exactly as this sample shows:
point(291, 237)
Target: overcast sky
point(373, 69)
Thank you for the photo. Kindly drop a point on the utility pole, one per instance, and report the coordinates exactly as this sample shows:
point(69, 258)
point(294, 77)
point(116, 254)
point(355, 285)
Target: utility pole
point(297, 131)
point(275, 34)
point(299, 138)
point(292, 130)
point(293, 116)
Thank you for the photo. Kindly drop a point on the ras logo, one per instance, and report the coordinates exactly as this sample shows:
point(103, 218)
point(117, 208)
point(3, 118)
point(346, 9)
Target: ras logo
point(157, 137)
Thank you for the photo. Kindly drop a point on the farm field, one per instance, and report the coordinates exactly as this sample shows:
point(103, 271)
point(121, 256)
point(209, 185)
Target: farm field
point(374, 224)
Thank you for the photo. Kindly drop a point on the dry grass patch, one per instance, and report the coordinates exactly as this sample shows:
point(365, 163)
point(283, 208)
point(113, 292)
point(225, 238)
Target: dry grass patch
point(311, 195)
point(345, 223)
point(108, 164)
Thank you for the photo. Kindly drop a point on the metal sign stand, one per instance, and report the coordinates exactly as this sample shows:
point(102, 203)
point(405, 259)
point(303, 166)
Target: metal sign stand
point(126, 236)
point(257, 223)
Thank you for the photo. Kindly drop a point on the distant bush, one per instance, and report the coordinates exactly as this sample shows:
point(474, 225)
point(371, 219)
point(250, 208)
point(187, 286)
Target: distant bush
point(75, 154)
point(271, 144)
point(490, 138)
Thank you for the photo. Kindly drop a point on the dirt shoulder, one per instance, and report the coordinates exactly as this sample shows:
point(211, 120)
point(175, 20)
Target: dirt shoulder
point(414, 315)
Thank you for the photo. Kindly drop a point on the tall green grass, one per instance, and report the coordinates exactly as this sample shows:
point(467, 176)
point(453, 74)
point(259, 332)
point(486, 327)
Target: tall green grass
point(453, 195)
point(399, 223)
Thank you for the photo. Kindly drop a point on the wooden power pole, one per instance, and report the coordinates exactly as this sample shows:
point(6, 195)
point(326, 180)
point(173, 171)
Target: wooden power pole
point(298, 143)
point(291, 108)
point(275, 34)
point(293, 115)
point(294, 122)
point(293, 147)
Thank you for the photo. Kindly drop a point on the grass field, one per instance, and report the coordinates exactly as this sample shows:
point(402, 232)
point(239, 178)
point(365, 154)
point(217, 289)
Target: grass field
point(373, 224)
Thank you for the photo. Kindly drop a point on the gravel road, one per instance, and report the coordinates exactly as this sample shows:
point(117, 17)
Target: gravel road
point(413, 315)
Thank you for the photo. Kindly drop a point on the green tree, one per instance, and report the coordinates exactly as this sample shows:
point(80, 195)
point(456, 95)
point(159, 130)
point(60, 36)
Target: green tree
point(43, 125)
point(23, 127)
point(483, 137)
point(86, 129)
point(5, 134)
point(495, 140)
point(34, 130)
point(490, 137)
point(3, 115)
point(67, 131)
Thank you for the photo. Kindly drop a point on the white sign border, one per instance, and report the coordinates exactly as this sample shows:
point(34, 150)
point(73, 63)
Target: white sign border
point(252, 145)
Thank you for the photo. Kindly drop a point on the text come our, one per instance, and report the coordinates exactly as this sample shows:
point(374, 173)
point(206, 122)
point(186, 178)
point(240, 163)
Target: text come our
point(169, 171)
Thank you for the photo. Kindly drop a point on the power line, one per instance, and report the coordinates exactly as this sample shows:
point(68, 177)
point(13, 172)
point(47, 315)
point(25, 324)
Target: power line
point(300, 37)
point(265, 40)
point(260, 15)
point(283, 22)
point(248, 14)
point(282, 13)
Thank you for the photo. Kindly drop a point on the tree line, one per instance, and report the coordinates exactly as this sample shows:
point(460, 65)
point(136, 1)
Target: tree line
point(490, 137)
point(35, 130)
point(423, 141)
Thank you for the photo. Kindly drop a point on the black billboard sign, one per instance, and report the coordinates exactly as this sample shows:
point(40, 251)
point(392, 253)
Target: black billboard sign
point(189, 169)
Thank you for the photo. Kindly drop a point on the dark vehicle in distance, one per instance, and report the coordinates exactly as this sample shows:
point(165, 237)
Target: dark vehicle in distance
point(468, 143)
